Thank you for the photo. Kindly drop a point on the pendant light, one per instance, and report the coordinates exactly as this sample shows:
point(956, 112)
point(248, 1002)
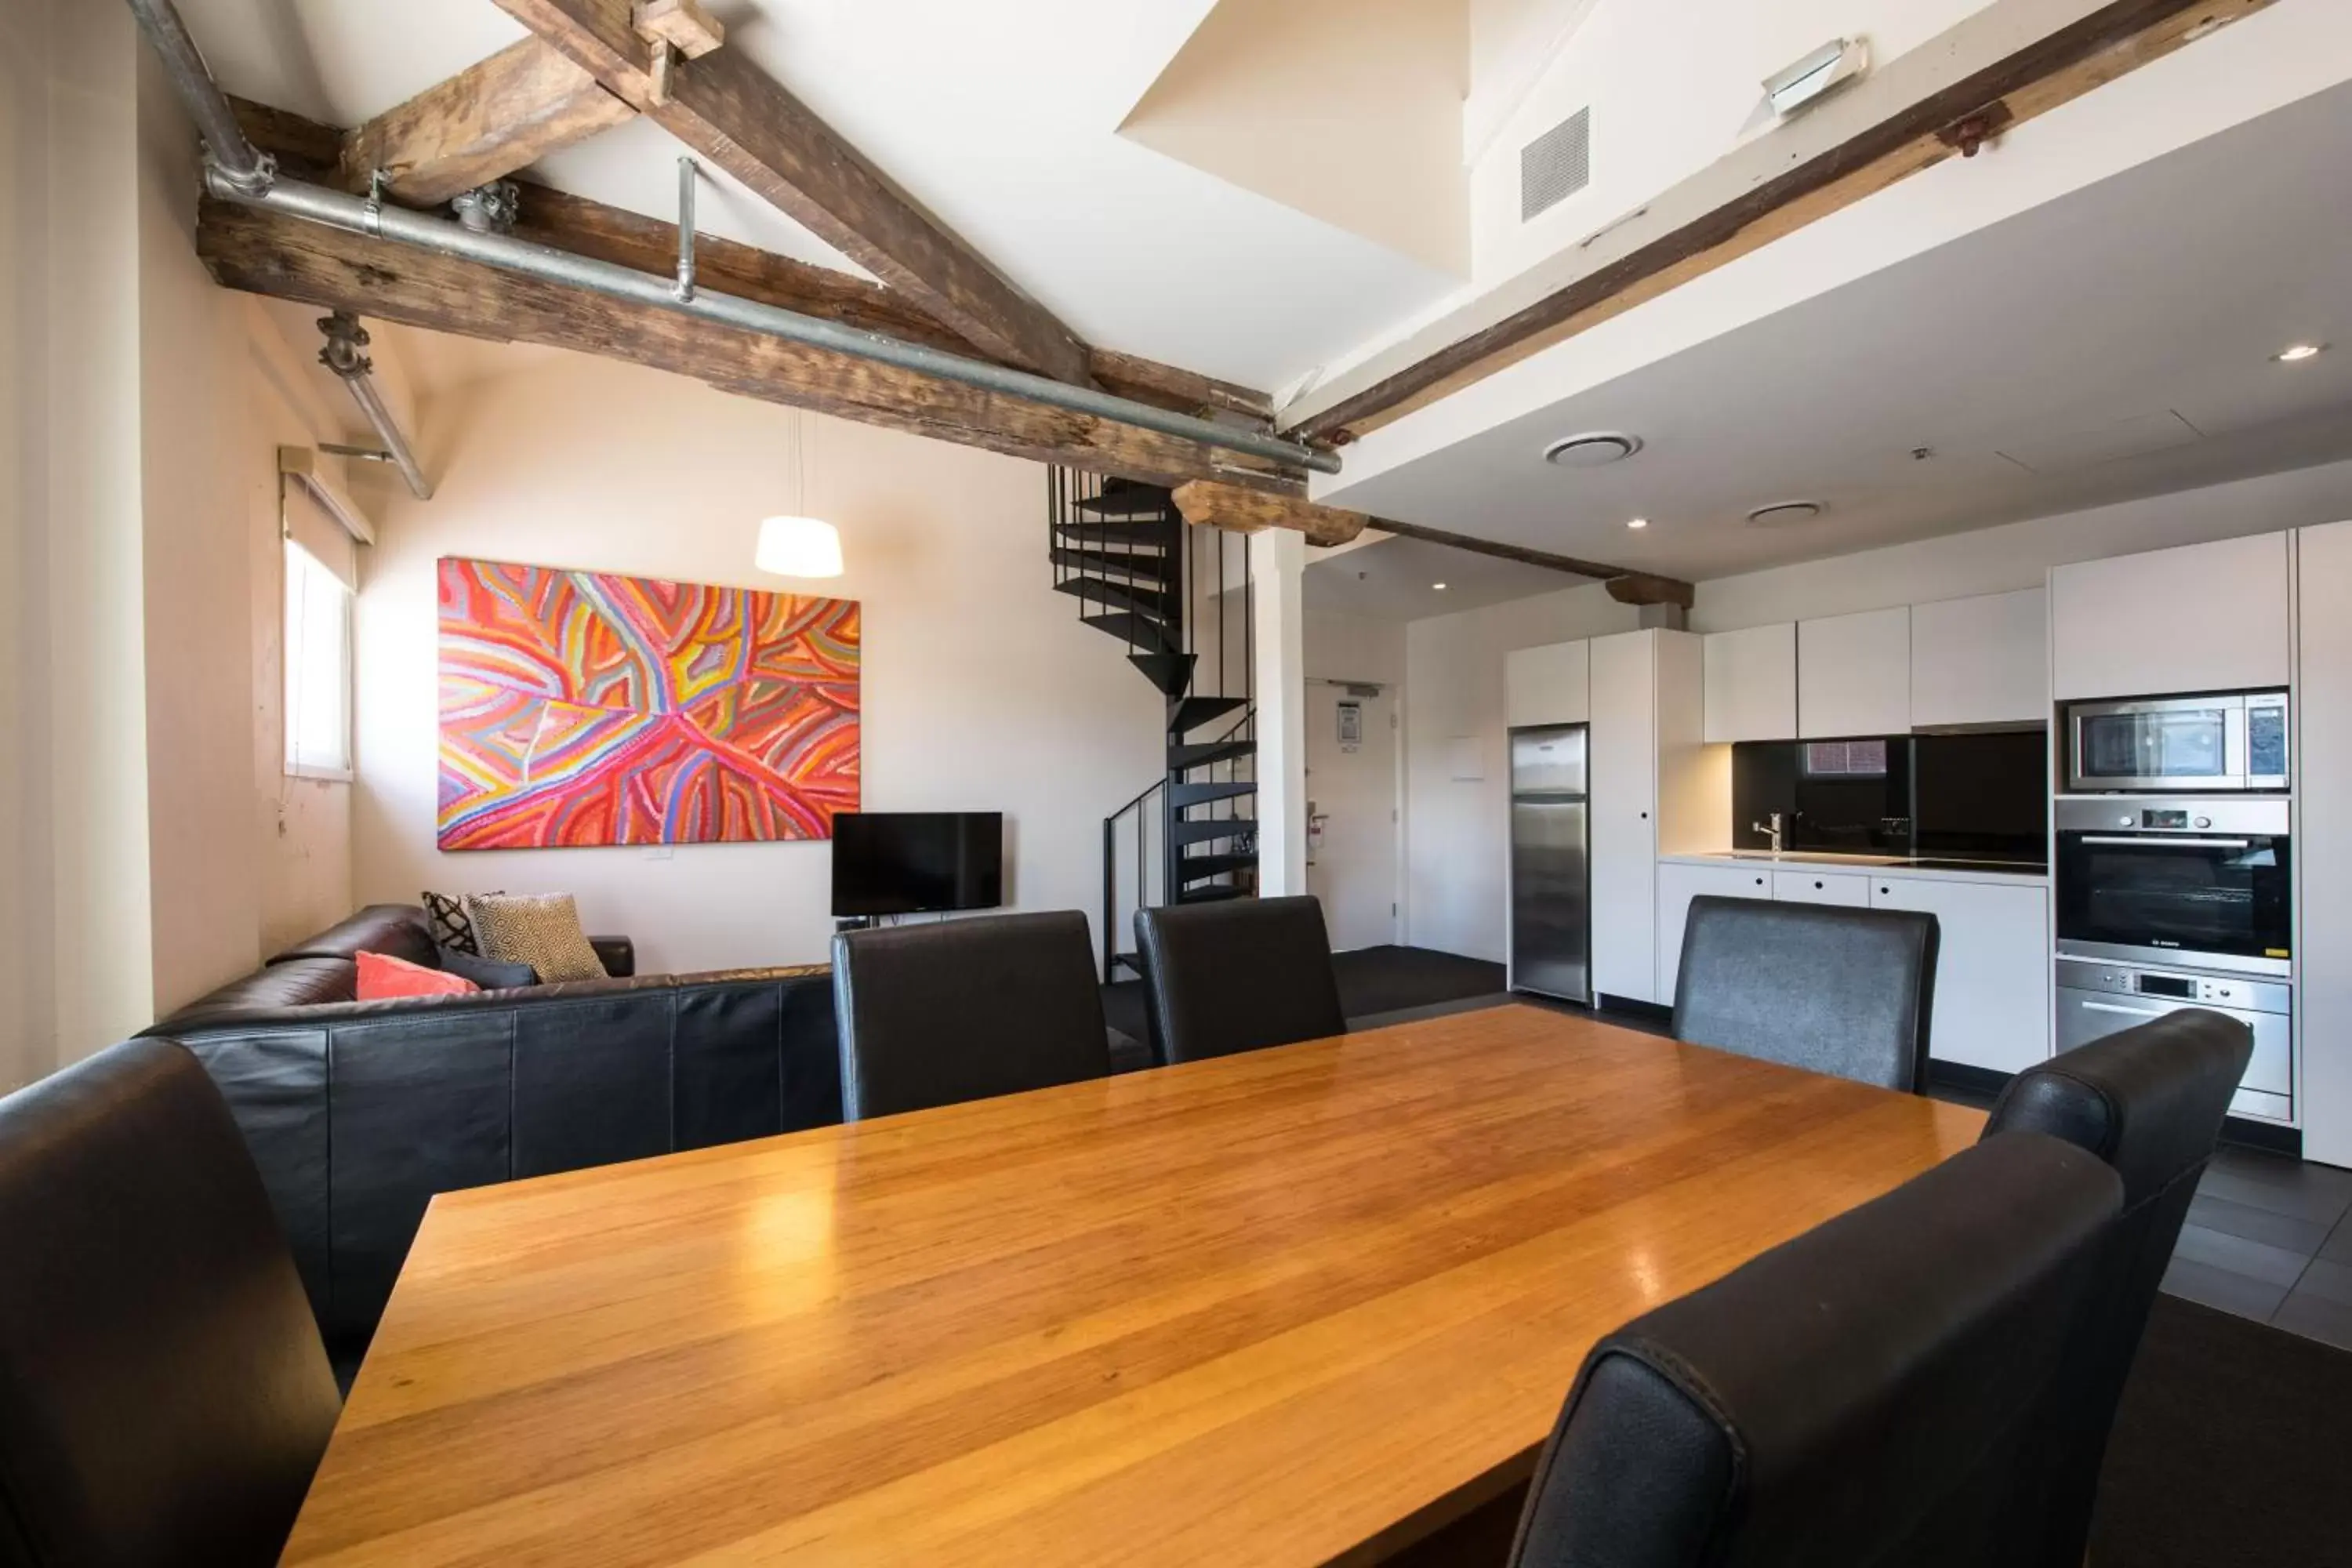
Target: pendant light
point(799, 545)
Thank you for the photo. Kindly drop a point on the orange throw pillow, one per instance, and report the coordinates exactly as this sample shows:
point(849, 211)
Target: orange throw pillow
point(382, 976)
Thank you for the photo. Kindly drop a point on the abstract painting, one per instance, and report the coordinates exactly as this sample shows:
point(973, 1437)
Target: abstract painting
point(581, 708)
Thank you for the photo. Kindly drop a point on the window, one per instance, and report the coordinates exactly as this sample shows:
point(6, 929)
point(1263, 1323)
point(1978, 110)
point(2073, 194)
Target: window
point(317, 656)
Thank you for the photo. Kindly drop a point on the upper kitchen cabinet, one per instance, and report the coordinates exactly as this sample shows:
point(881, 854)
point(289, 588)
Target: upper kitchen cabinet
point(1984, 660)
point(1751, 684)
point(1853, 675)
point(2205, 618)
point(1550, 685)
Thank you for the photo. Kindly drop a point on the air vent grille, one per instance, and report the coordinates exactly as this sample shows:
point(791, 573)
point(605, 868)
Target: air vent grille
point(1556, 165)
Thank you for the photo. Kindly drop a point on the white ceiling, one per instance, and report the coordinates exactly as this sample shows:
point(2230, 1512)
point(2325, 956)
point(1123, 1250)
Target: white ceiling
point(1000, 118)
point(2110, 344)
point(1394, 580)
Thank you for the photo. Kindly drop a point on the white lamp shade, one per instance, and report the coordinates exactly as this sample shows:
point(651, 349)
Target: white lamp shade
point(799, 547)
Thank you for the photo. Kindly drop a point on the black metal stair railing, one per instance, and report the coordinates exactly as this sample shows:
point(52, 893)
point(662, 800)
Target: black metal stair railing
point(1168, 592)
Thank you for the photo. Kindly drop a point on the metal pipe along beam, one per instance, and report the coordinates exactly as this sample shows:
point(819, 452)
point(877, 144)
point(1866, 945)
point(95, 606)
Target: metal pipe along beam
point(357, 215)
point(345, 341)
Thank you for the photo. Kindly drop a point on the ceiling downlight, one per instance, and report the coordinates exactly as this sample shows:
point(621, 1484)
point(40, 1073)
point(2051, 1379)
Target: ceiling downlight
point(1785, 513)
point(1593, 450)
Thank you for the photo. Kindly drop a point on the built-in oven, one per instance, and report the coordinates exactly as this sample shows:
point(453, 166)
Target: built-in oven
point(2198, 882)
point(2180, 744)
point(2097, 999)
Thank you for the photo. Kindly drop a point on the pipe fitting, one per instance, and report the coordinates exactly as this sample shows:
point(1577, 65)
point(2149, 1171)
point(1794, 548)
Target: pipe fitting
point(490, 209)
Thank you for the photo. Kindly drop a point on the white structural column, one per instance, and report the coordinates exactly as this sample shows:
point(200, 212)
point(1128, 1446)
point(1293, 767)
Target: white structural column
point(2322, 843)
point(1277, 559)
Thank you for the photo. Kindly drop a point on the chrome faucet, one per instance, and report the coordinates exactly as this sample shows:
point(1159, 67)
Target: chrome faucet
point(1771, 828)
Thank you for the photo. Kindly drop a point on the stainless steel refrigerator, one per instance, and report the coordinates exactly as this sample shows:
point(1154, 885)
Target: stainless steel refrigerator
point(1551, 883)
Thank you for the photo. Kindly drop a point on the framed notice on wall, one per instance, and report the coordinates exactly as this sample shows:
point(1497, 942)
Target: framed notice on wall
point(1351, 726)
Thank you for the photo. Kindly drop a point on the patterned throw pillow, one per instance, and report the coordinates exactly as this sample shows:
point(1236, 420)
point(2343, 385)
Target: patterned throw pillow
point(452, 927)
point(542, 930)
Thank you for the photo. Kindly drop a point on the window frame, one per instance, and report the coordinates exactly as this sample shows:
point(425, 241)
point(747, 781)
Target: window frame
point(300, 762)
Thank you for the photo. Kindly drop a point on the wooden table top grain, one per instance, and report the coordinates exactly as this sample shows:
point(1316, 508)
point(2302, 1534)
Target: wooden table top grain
point(1299, 1306)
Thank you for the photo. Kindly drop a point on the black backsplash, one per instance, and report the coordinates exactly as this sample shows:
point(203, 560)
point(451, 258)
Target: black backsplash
point(1963, 797)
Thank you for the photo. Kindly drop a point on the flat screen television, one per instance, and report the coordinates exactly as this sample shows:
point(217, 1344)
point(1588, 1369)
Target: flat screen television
point(911, 862)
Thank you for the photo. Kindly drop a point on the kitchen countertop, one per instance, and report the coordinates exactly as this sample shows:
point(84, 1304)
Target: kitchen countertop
point(1870, 865)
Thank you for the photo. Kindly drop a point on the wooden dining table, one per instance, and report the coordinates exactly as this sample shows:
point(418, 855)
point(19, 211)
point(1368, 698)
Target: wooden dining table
point(1300, 1306)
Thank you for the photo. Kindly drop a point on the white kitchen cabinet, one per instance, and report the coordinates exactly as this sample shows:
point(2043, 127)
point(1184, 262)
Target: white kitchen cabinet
point(1677, 886)
point(2203, 617)
point(1848, 888)
point(1984, 660)
point(1548, 685)
point(1751, 684)
point(1992, 968)
point(1624, 750)
point(1656, 788)
point(1853, 675)
point(2323, 842)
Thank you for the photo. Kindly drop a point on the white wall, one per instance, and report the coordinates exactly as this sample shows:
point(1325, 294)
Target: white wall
point(73, 866)
point(981, 688)
point(1456, 831)
point(1354, 647)
point(1671, 87)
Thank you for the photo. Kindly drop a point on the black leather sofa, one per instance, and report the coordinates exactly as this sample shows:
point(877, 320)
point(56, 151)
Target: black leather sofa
point(358, 1112)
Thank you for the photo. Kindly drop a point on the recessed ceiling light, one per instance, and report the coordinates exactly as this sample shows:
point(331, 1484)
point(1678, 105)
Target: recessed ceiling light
point(1439, 586)
point(1593, 450)
point(1637, 522)
point(2294, 352)
point(1782, 513)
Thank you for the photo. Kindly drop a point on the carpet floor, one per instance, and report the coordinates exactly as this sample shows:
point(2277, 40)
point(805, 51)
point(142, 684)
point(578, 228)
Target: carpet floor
point(2229, 1450)
point(1371, 980)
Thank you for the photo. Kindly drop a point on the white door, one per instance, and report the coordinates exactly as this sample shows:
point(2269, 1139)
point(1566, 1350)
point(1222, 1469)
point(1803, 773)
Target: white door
point(1992, 968)
point(1677, 886)
point(1351, 835)
point(1853, 675)
point(1625, 745)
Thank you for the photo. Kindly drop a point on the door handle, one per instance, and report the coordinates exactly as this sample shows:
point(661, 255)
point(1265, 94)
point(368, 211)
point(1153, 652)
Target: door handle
point(2158, 841)
point(2127, 1011)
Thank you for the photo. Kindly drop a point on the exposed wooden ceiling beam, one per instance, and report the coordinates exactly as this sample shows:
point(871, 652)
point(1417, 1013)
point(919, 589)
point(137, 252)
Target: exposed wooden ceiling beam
point(482, 124)
point(1777, 195)
point(1211, 504)
point(265, 252)
point(590, 228)
point(725, 108)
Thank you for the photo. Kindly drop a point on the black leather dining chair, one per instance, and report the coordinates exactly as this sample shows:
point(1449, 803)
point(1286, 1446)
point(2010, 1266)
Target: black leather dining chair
point(1861, 1396)
point(164, 1398)
point(1839, 990)
point(2150, 1102)
point(1239, 976)
point(966, 1009)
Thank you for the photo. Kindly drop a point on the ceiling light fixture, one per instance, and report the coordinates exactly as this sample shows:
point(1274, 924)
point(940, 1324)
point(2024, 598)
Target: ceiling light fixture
point(2295, 352)
point(798, 545)
point(1637, 522)
point(1593, 450)
point(1439, 586)
point(1780, 513)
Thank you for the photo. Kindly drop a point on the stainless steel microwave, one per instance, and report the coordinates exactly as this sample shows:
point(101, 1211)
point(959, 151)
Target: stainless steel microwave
point(2177, 744)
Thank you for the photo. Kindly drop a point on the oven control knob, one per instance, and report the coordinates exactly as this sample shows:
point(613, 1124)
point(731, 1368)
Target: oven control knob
point(2127, 821)
point(2204, 822)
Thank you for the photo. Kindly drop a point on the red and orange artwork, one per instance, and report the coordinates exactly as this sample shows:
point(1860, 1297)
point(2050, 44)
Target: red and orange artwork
point(580, 708)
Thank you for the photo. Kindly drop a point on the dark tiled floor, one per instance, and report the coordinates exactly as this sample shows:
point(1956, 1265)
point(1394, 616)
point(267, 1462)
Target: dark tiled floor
point(2271, 1239)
